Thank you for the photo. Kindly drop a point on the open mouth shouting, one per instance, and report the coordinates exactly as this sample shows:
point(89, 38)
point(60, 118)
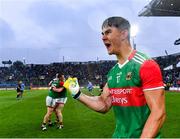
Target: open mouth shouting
point(108, 45)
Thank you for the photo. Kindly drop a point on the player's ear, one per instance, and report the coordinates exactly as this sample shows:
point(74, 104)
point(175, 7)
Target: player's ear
point(124, 34)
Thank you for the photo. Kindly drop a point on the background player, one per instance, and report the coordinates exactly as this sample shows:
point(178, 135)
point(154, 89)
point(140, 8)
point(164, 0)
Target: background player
point(90, 87)
point(20, 90)
point(55, 101)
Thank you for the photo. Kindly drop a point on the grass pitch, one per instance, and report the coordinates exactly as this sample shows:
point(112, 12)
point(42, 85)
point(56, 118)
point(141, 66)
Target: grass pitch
point(22, 118)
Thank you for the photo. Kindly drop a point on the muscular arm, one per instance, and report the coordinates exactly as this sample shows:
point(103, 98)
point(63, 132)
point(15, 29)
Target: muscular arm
point(100, 103)
point(156, 102)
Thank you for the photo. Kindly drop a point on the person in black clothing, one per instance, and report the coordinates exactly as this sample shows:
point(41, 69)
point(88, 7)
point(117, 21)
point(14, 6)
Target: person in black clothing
point(18, 89)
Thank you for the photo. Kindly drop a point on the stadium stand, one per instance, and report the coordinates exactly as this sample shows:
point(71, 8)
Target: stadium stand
point(161, 8)
point(38, 75)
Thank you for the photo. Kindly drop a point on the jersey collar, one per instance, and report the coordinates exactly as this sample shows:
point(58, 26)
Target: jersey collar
point(129, 58)
point(122, 65)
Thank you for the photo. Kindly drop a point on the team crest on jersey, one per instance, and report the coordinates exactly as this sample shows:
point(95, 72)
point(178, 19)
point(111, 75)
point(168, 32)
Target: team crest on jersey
point(129, 76)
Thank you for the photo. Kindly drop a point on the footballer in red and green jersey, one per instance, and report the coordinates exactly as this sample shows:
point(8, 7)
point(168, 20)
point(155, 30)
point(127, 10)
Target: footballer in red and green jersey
point(57, 83)
point(126, 83)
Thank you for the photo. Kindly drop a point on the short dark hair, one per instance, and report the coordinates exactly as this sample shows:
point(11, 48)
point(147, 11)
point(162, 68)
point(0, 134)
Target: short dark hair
point(58, 75)
point(118, 22)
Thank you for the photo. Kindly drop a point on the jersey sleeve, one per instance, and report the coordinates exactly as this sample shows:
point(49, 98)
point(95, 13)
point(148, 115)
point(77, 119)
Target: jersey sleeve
point(151, 76)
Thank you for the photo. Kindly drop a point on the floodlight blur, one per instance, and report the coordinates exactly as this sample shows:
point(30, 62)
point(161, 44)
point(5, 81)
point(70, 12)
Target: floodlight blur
point(134, 30)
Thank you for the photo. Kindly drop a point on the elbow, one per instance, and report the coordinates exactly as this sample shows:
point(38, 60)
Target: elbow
point(103, 110)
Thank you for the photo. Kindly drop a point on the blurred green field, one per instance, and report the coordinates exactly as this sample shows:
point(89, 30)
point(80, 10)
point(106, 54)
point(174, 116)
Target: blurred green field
point(22, 118)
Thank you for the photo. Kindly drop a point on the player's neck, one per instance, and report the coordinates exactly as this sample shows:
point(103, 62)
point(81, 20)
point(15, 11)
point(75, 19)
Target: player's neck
point(124, 54)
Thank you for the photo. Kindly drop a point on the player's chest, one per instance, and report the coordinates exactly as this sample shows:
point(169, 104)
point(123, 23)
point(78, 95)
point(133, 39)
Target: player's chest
point(124, 77)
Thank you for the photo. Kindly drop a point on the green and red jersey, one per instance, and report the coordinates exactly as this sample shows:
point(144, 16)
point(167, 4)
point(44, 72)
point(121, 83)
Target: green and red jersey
point(127, 83)
point(58, 84)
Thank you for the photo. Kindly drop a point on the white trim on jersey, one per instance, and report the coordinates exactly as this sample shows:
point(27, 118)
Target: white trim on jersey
point(140, 56)
point(122, 65)
point(137, 60)
point(153, 88)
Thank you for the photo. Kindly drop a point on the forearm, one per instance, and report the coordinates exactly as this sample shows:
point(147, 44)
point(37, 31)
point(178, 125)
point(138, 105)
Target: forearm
point(153, 124)
point(57, 89)
point(95, 103)
point(49, 84)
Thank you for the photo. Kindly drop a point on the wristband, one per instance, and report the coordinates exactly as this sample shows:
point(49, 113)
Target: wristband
point(77, 95)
